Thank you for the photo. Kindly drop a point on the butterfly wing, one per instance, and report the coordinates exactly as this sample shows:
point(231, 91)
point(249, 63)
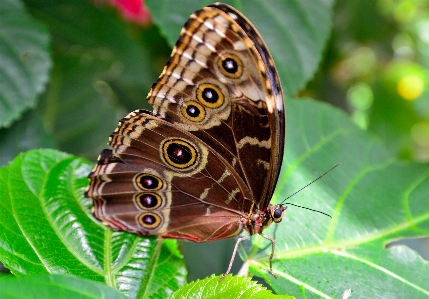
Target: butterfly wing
point(221, 85)
point(159, 179)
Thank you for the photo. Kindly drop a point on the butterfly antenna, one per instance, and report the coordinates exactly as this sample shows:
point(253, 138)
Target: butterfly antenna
point(292, 204)
point(283, 202)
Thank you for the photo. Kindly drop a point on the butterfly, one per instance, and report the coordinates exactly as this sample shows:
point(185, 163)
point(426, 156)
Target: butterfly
point(204, 164)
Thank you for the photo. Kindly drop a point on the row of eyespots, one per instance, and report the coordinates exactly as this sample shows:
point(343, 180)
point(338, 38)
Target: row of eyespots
point(148, 182)
point(148, 200)
point(210, 95)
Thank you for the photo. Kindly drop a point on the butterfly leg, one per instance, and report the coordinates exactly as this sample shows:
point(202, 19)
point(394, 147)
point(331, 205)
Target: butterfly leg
point(272, 253)
point(233, 255)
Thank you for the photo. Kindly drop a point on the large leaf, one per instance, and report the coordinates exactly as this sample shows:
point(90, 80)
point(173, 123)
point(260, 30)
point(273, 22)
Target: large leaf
point(373, 200)
point(295, 31)
point(55, 287)
point(24, 60)
point(46, 228)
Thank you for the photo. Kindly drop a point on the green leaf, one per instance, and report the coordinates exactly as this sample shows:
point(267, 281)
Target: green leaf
point(55, 287)
point(46, 227)
point(230, 287)
point(373, 200)
point(295, 31)
point(24, 60)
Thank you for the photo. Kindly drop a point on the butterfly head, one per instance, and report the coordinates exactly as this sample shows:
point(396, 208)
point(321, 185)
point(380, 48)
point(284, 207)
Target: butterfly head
point(276, 212)
point(264, 219)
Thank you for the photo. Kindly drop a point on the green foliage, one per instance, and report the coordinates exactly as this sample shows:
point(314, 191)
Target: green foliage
point(25, 60)
point(381, 48)
point(230, 287)
point(55, 287)
point(103, 68)
point(47, 228)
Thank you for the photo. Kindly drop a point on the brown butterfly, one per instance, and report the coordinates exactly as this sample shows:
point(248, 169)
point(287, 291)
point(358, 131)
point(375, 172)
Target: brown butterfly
point(204, 164)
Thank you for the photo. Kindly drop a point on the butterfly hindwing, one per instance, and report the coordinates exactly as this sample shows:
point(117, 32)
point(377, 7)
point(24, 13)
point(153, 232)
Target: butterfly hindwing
point(160, 180)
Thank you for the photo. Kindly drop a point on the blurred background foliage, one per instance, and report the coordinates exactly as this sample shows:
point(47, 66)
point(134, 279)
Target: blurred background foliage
point(106, 55)
point(376, 68)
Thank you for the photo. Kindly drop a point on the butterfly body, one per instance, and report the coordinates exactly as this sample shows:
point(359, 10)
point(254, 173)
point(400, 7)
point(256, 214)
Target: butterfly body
point(204, 164)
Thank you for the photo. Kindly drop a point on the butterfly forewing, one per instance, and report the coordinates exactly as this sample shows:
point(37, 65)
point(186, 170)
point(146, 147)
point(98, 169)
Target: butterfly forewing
point(221, 85)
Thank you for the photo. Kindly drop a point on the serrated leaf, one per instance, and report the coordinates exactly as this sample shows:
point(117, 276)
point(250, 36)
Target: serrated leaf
point(46, 228)
point(373, 200)
point(230, 287)
point(55, 287)
point(295, 31)
point(24, 60)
